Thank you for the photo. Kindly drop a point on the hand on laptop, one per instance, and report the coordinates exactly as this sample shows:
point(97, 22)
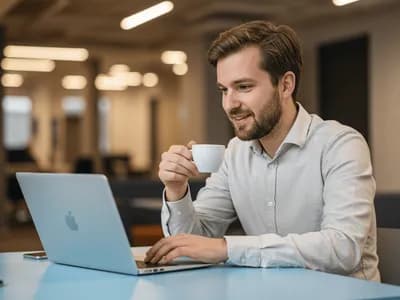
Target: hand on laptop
point(204, 249)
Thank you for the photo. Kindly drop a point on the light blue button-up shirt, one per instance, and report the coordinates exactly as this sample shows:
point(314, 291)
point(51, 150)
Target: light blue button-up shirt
point(311, 205)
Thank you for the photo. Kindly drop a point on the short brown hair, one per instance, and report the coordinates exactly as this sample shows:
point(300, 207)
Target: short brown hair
point(279, 45)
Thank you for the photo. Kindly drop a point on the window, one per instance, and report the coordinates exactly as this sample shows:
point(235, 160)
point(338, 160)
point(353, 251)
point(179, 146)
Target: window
point(73, 106)
point(17, 122)
point(103, 109)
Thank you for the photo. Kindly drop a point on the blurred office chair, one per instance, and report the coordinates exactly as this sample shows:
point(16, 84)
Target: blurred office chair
point(18, 160)
point(139, 204)
point(387, 208)
point(116, 165)
point(84, 165)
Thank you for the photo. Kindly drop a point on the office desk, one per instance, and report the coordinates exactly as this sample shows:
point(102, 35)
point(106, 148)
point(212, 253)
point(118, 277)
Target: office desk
point(28, 279)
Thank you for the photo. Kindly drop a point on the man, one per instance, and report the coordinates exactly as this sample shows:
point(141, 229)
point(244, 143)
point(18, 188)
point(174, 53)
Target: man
point(301, 187)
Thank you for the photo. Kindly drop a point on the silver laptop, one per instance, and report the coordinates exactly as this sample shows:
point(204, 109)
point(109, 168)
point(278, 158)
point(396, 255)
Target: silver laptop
point(78, 224)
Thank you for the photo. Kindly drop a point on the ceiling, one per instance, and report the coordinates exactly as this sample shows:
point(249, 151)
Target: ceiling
point(95, 23)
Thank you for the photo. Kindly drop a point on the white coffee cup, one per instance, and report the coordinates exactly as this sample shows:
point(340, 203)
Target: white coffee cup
point(208, 157)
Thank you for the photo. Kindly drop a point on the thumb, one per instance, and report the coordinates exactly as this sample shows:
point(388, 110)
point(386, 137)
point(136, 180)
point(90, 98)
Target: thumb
point(190, 144)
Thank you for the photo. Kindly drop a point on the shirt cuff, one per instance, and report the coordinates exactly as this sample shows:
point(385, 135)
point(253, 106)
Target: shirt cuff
point(243, 250)
point(176, 212)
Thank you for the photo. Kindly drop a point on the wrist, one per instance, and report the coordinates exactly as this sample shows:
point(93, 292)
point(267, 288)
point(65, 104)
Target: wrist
point(175, 194)
point(224, 251)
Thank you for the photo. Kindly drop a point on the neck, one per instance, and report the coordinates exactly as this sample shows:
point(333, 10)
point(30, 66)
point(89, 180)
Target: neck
point(274, 139)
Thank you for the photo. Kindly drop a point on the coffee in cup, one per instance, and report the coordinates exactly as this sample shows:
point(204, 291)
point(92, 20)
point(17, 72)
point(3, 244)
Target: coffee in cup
point(208, 157)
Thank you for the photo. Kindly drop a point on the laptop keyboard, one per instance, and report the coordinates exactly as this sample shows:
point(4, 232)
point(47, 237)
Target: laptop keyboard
point(142, 265)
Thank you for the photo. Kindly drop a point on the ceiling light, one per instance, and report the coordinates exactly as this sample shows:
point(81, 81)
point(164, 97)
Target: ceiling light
point(55, 53)
point(173, 57)
point(34, 65)
point(133, 78)
point(180, 69)
point(343, 2)
point(118, 69)
point(12, 80)
point(74, 82)
point(109, 83)
point(146, 15)
point(150, 79)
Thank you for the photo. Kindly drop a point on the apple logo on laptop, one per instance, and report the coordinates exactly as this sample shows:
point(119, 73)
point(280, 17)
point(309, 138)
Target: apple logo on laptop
point(71, 222)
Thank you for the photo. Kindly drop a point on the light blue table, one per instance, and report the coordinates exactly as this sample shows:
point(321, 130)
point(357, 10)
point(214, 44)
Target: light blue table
point(29, 279)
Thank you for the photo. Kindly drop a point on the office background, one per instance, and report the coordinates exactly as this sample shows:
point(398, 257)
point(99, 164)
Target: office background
point(351, 73)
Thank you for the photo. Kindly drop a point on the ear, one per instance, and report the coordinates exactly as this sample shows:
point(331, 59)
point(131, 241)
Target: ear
point(287, 84)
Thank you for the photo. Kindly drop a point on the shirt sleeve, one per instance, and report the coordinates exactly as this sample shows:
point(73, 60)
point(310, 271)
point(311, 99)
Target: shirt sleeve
point(349, 189)
point(174, 214)
point(210, 215)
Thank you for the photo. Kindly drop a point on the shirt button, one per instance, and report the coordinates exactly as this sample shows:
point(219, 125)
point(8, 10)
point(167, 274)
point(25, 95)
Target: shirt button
point(179, 212)
point(270, 203)
point(243, 260)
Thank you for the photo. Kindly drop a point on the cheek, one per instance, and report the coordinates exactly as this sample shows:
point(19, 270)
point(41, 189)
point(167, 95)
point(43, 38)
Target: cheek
point(224, 104)
point(260, 101)
point(253, 103)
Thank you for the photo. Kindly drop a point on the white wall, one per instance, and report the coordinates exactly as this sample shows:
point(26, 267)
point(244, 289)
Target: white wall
point(130, 127)
point(130, 124)
point(42, 111)
point(191, 111)
point(384, 70)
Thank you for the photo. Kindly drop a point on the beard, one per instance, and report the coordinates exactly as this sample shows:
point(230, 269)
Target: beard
point(270, 115)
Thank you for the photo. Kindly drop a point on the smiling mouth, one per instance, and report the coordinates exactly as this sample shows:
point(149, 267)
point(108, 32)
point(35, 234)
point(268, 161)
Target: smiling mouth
point(239, 118)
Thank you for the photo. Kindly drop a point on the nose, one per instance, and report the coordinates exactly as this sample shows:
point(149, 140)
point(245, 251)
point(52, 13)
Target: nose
point(230, 100)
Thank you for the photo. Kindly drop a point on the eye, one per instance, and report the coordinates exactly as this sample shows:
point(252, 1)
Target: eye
point(222, 90)
point(244, 87)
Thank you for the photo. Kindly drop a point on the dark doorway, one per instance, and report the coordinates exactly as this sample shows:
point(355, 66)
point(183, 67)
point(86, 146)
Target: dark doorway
point(343, 83)
point(73, 138)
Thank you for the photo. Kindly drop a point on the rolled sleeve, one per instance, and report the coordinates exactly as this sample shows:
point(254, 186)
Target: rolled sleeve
point(243, 250)
point(267, 250)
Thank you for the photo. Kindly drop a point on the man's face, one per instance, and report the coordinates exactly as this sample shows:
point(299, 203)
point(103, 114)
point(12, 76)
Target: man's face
point(249, 99)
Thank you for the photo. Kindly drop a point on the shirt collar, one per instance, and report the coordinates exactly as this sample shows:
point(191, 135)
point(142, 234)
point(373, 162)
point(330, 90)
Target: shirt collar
point(256, 147)
point(297, 134)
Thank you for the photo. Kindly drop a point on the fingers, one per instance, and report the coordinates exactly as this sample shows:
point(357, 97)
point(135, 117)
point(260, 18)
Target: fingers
point(165, 249)
point(154, 250)
point(168, 176)
point(175, 169)
point(180, 150)
point(190, 144)
point(175, 253)
point(208, 250)
point(176, 163)
point(163, 246)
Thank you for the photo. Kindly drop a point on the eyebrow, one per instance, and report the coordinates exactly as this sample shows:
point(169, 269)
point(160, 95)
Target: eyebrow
point(241, 80)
